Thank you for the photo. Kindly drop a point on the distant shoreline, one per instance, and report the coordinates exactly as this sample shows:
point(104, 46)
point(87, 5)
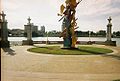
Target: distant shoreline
point(77, 36)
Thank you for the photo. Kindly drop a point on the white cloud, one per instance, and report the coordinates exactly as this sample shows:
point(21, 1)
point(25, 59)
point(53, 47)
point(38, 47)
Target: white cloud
point(44, 12)
point(89, 7)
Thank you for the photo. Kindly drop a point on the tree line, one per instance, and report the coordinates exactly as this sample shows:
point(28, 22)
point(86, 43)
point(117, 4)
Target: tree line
point(54, 33)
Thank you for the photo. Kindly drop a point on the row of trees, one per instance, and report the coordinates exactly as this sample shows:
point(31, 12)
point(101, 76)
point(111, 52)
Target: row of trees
point(54, 33)
point(41, 34)
point(116, 34)
point(100, 33)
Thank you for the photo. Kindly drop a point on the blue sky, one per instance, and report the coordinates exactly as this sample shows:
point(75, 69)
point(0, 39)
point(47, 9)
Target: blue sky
point(92, 14)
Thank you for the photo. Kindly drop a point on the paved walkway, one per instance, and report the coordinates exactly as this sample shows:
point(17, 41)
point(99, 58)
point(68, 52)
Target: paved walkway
point(20, 65)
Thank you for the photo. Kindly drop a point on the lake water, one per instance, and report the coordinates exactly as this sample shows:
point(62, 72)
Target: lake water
point(61, 39)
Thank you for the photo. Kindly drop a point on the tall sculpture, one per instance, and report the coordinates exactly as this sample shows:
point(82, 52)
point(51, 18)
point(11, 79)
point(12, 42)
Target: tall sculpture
point(4, 30)
point(69, 23)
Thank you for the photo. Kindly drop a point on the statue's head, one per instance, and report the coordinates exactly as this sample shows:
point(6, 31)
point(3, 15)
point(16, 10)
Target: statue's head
point(2, 12)
point(110, 17)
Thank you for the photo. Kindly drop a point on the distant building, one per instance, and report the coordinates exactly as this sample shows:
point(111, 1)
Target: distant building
point(33, 27)
point(42, 29)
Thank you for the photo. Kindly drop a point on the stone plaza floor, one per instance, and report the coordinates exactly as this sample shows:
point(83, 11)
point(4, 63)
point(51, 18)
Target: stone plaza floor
point(20, 65)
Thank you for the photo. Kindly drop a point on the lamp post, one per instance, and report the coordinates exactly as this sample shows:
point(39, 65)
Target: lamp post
point(47, 38)
point(89, 36)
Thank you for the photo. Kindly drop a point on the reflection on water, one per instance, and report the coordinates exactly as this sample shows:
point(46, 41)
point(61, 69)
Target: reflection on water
point(60, 39)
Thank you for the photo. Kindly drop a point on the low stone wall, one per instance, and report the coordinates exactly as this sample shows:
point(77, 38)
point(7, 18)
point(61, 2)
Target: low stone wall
point(19, 43)
point(47, 42)
point(27, 42)
point(61, 42)
point(15, 43)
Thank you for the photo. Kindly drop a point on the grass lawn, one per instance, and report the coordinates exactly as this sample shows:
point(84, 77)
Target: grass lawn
point(82, 50)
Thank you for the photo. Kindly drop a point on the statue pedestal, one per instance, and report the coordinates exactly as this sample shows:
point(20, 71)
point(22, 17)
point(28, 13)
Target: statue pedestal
point(27, 42)
point(110, 43)
point(5, 44)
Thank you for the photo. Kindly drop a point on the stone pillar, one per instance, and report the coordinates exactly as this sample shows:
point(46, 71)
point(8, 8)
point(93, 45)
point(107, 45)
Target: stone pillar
point(109, 34)
point(29, 33)
point(109, 30)
point(4, 30)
